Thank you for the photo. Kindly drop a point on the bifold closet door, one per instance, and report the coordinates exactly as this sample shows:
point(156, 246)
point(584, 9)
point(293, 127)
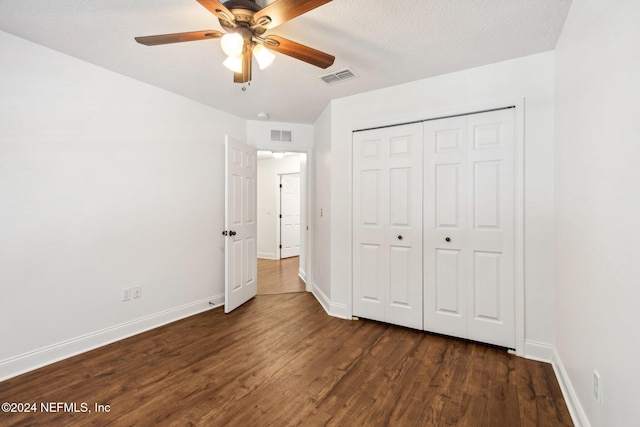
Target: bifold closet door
point(469, 214)
point(387, 225)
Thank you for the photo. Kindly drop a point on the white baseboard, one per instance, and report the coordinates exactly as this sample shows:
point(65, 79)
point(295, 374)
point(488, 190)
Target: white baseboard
point(267, 255)
point(332, 308)
point(53, 353)
point(539, 351)
point(302, 275)
point(578, 416)
point(339, 310)
point(321, 297)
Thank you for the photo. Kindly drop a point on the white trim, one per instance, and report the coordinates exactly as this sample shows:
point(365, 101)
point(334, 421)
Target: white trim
point(321, 297)
point(302, 275)
point(333, 309)
point(53, 353)
point(339, 310)
point(519, 229)
point(278, 193)
point(267, 255)
point(539, 351)
point(578, 416)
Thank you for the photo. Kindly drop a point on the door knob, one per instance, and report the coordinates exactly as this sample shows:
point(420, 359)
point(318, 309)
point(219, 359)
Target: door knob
point(448, 239)
point(400, 237)
point(225, 233)
point(232, 233)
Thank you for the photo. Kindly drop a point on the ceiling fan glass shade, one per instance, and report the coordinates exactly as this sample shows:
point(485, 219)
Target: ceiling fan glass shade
point(231, 44)
point(263, 56)
point(234, 63)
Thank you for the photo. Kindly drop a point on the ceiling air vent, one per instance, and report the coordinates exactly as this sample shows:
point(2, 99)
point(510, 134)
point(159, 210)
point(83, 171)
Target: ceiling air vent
point(338, 76)
point(281, 136)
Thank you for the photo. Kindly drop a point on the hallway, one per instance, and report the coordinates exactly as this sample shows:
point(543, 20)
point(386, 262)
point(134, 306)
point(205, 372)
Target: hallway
point(279, 276)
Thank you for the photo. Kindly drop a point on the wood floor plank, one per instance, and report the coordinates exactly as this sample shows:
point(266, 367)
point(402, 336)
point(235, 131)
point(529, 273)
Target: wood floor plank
point(280, 360)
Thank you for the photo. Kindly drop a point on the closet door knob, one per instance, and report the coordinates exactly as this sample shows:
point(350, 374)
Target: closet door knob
point(400, 237)
point(448, 239)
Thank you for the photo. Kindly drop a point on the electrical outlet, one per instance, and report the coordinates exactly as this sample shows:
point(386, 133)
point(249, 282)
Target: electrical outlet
point(597, 386)
point(126, 294)
point(137, 291)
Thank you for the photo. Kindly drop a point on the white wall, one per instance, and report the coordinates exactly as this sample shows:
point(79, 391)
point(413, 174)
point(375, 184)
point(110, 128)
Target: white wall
point(105, 183)
point(497, 84)
point(321, 210)
point(269, 171)
point(259, 135)
point(598, 208)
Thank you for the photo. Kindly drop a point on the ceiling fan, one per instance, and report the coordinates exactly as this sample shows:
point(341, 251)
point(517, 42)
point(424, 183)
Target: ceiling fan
point(245, 23)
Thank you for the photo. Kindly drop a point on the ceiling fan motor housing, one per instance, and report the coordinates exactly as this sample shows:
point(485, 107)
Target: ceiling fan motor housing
point(243, 11)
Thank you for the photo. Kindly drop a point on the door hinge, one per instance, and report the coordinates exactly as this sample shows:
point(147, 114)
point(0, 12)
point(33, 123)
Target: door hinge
point(280, 246)
point(280, 215)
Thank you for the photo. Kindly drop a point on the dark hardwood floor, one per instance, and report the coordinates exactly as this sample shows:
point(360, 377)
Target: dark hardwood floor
point(281, 360)
point(279, 276)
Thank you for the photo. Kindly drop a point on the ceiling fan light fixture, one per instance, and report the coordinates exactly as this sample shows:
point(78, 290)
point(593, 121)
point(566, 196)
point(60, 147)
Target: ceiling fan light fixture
point(245, 22)
point(263, 55)
point(234, 63)
point(232, 44)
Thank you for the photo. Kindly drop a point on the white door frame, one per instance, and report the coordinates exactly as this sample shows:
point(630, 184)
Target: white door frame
point(519, 197)
point(306, 220)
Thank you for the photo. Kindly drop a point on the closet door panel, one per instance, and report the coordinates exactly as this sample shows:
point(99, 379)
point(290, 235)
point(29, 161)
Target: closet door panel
point(445, 299)
point(370, 271)
point(491, 236)
point(387, 185)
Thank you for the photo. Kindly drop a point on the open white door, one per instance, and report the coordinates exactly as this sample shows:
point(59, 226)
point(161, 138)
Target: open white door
point(240, 224)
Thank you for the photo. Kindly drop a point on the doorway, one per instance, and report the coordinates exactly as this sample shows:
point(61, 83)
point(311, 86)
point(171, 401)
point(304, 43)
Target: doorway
point(281, 222)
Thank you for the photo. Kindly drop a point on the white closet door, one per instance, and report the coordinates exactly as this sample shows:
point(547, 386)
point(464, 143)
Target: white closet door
point(469, 238)
point(387, 225)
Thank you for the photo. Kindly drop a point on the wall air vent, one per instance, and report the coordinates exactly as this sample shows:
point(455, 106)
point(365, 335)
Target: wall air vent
point(339, 76)
point(281, 135)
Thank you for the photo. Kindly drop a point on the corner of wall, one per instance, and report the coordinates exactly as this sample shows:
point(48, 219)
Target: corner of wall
point(578, 416)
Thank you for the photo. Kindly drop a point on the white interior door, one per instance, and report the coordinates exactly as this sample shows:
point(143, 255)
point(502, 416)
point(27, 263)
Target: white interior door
point(469, 227)
point(289, 215)
point(387, 225)
point(240, 224)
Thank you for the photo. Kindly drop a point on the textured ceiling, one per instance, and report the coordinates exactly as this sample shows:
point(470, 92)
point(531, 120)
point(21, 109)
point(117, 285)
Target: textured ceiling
point(385, 42)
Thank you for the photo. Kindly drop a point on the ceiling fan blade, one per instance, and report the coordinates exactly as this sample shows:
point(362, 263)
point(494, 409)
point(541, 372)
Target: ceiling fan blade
point(245, 75)
point(179, 37)
point(299, 51)
point(218, 9)
point(283, 10)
